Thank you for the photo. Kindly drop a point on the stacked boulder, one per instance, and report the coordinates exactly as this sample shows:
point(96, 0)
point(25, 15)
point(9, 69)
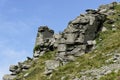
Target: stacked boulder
point(78, 37)
point(16, 69)
point(44, 41)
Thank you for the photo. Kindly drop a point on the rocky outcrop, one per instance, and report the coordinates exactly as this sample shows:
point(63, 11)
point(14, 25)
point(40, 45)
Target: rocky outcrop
point(78, 37)
point(44, 34)
point(76, 40)
point(46, 41)
point(16, 69)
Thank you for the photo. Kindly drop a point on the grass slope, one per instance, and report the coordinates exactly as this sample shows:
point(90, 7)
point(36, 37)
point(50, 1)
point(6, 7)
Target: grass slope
point(107, 42)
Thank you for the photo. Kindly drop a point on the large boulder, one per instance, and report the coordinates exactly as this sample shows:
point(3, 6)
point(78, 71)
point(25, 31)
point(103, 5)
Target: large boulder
point(13, 68)
point(78, 37)
point(44, 33)
point(45, 41)
point(50, 65)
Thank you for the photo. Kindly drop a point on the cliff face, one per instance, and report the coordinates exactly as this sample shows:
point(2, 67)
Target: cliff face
point(88, 49)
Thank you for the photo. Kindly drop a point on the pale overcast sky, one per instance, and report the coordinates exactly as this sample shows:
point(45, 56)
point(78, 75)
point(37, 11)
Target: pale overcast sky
point(19, 20)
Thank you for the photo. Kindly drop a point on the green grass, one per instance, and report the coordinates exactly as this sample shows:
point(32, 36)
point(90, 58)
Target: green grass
point(36, 48)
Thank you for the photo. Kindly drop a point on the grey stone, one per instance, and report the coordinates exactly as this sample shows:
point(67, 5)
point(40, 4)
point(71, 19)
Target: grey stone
point(81, 20)
point(44, 33)
point(13, 68)
point(60, 56)
point(61, 47)
point(100, 72)
point(42, 53)
point(9, 77)
point(92, 20)
point(107, 72)
point(14, 73)
point(104, 29)
point(77, 38)
point(70, 58)
point(76, 79)
point(63, 78)
point(71, 38)
point(91, 42)
point(82, 52)
point(62, 41)
point(80, 39)
point(57, 36)
point(75, 50)
point(50, 65)
point(36, 54)
point(26, 66)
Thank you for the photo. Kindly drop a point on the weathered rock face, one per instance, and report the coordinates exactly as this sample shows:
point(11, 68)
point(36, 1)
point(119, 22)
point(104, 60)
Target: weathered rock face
point(78, 37)
point(44, 42)
point(44, 33)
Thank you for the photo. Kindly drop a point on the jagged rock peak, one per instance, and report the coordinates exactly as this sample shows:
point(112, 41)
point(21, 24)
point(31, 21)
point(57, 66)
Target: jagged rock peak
point(43, 34)
point(45, 28)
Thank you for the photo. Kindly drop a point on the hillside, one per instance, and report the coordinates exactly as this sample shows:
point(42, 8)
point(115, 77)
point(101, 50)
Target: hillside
point(88, 49)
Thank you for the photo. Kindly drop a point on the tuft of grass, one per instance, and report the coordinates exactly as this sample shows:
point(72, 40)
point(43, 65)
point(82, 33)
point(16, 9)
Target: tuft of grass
point(36, 48)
